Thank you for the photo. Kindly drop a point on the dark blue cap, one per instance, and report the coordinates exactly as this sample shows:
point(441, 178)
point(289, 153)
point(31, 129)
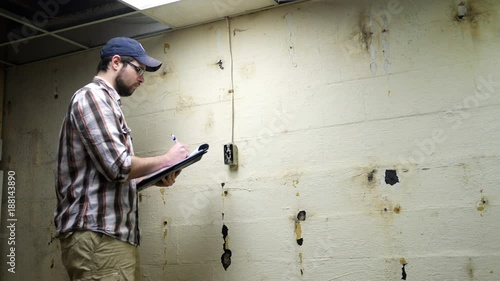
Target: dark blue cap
point(124, 46)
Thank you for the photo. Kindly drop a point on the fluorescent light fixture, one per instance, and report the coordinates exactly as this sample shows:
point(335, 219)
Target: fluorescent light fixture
point(146, 4)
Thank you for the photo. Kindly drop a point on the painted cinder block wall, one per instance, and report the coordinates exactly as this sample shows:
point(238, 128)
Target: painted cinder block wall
point(332, 101)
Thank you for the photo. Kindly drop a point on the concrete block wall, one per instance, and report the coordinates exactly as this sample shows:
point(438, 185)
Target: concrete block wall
point(332, 101)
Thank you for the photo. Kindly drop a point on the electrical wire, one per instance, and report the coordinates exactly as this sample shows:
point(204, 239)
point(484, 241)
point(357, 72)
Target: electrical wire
point(231, 91)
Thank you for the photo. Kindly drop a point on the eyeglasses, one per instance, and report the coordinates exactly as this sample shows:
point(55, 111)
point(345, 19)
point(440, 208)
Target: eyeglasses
point(139, 70)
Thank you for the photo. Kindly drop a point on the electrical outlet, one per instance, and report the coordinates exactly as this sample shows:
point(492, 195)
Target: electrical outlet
point(230, 154)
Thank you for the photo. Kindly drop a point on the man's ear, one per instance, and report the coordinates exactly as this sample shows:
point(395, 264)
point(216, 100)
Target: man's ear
point(116, 62)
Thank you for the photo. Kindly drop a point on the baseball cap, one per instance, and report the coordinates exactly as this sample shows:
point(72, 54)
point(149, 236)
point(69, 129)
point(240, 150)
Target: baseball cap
point(124, 46)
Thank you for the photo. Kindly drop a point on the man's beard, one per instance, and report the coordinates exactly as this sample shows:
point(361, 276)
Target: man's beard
point(122, 89)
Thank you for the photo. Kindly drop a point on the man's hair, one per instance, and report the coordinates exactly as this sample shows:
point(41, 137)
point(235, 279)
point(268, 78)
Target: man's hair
point(104, 62)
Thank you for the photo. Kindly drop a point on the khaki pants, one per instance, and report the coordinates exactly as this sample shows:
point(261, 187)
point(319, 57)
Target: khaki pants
point(92, 256)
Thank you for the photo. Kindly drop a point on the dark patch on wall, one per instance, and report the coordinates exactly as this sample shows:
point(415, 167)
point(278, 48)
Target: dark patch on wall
point(56, 89)
point(461, 11)
point(300, 241)
point(371, 175)
point(471, 13)
point(403, 262)
point(397, 209)
point(220, 64)
point(140, 197)
point(391, 177)
point(301, 216)
point(481, 205)
point(52, 264)
point(301, 265)
point(226, 256)
point(226, 193)
point(164, 72)
point(365, 33)
point(52, 238)
point(222, 184)
point(226, 259)
point(225, 232)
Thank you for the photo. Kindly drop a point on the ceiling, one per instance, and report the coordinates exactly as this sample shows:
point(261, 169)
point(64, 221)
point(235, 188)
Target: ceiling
point(36, 30)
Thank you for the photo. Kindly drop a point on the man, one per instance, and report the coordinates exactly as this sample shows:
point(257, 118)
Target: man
point(97, 211)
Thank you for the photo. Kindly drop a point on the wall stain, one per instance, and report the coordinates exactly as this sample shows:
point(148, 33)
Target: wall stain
point(403, 262)
point(184, 102)
point(397, 209)
point(366, 177)
point(291, 42)
point(162, 191)
point(470, 14)
point(470, 270)
point(391, 177)
point(301, 216)
point(293, 177)
point(166, 260)
point(363, 31)
point(164, 71)
point(52, 238)
point(238, 30)
point(164, 225)
point(482, 204)
point(298, 233)
point(374, 200)
point(226, 256)
point(301, 265)
point(371, 175)
point(52, 263)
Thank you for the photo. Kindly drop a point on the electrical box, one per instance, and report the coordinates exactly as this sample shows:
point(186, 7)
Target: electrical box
point(230, 154)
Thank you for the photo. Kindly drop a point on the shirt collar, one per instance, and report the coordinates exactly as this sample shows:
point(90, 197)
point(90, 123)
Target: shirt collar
point(111, 91)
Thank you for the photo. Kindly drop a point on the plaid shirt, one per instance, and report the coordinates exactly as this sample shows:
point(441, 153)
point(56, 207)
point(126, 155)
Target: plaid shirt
point(93, 163)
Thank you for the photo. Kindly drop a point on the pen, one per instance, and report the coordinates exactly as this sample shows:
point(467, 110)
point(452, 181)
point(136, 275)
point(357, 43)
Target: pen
point(174, 138)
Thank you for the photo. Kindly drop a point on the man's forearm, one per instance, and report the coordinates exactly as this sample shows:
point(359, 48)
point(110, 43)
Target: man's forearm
point(142, 166)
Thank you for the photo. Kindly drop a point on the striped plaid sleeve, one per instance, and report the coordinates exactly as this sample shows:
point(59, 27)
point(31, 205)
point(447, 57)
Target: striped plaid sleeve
point(101, 128)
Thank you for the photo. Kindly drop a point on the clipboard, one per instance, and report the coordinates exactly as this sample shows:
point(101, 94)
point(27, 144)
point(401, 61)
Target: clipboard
point(155, 177)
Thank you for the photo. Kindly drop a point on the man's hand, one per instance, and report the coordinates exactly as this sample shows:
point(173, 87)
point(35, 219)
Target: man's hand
point(169, 180)
point(176, 153)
